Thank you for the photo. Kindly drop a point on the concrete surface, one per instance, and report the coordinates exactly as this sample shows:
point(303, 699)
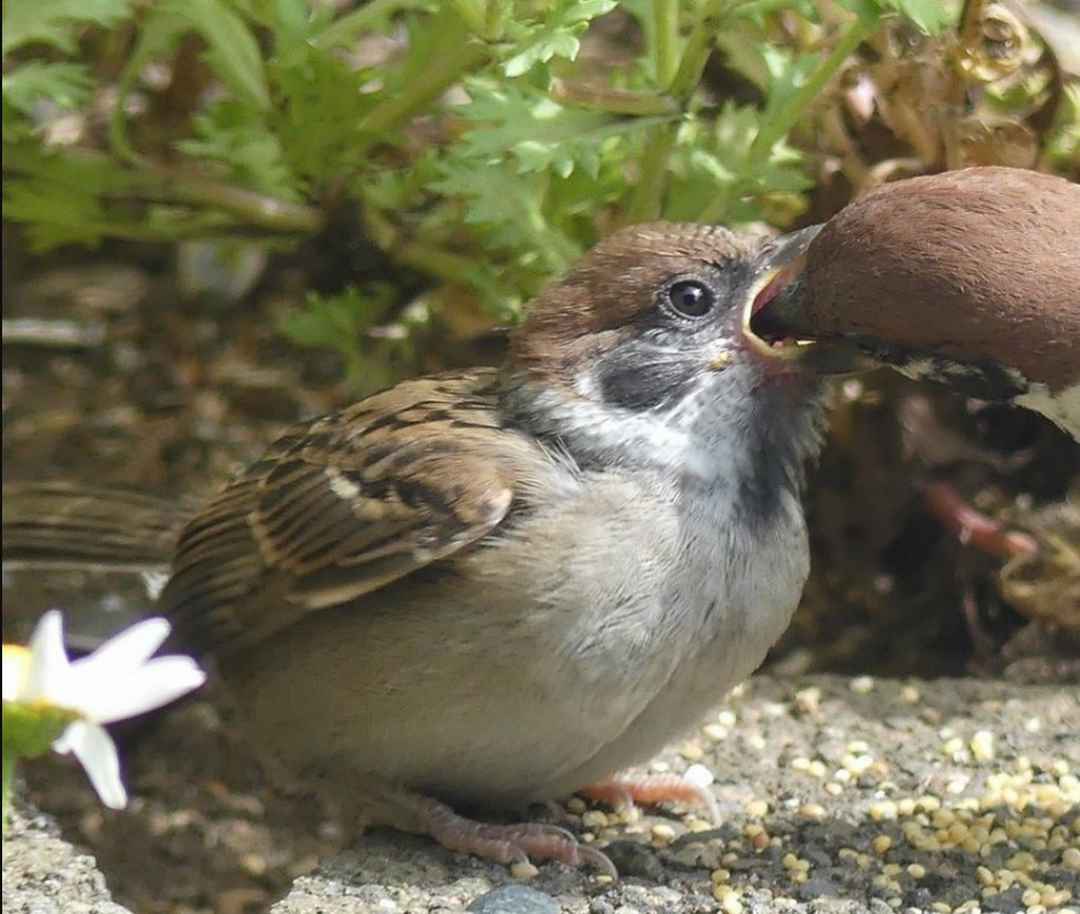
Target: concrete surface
point(836, 796)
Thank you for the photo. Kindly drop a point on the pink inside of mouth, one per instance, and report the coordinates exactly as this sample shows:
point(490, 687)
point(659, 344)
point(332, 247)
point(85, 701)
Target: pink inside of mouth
point(770, 290)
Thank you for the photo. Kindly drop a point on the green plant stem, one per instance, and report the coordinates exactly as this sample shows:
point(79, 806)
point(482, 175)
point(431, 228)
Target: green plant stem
point(613, 101)
point(758, 7)
point(9, 781)
point(445, 69)
point(666, 38)
point(259, 210)
point(648, 198)
point(790, 112)
point(367, 17)
point(445, 265)
point(473, 13)
point(696, 53)
point(154, 184)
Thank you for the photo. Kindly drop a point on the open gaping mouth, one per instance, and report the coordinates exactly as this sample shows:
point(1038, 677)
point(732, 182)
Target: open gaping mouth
point(763, 334)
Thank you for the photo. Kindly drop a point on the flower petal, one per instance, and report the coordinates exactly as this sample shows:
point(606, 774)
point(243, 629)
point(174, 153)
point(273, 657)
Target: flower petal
point(161, 681)
point(16, 671)
point(96, 752)
point(49, 675)
point(125, 651)
point(98, 679)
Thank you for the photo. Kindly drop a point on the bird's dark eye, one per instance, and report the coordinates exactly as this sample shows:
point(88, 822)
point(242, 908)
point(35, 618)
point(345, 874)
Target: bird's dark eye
point(691, 298)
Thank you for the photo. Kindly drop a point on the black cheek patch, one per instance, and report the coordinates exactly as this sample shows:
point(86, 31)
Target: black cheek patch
point(638, 384)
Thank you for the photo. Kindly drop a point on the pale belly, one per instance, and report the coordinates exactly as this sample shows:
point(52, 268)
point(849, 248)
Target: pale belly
point(470, 688)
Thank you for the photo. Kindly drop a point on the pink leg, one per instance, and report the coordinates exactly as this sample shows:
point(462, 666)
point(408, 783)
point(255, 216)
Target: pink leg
point(628, 791)
point(505, 844)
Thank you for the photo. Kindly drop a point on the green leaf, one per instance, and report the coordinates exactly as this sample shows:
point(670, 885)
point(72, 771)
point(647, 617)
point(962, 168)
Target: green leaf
point(232, 51)
point(555, 36)
point(788, 72)
point(538, 132)
point(715, 173)
point(57, 22)
point(510, 205)
point(340, 323)
point(67, 85)
point(235, 135)
point(60, 196)
point(318, 119)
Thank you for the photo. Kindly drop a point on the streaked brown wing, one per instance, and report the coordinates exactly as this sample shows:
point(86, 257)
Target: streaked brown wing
point(341, 506)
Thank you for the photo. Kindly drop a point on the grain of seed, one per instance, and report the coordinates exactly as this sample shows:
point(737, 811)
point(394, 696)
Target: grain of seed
point(982, 745)
point(808, 700)
point(524, 870)
point(757, 808)
point(692, 752)
point(594, 819)
point(862, 684)
point(699, 776)
point(663, 833)
point(732, 905)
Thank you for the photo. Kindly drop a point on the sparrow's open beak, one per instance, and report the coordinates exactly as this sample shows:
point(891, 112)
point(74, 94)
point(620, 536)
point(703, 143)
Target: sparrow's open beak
point(770, 315)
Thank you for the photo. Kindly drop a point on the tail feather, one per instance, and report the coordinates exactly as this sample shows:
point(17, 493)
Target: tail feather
point(62, 525)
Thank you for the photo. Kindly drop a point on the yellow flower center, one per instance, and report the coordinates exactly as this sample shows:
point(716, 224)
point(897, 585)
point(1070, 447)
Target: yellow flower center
point(16, 670)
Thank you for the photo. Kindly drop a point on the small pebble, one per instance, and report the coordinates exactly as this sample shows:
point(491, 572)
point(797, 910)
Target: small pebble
point(1071, 858)
point(862, 684)
point(514, 899)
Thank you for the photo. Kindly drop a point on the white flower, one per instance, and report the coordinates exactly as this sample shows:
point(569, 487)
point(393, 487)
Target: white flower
point(116, 681)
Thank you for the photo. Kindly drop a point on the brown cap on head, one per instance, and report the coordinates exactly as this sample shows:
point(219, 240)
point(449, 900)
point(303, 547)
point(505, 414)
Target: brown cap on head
point(614, 283)
point(973, 265)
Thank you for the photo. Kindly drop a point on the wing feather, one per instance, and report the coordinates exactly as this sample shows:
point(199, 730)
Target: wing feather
point(344, 505)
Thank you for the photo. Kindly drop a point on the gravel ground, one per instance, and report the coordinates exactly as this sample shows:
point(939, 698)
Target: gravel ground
point(836, 796)
point(43, 874)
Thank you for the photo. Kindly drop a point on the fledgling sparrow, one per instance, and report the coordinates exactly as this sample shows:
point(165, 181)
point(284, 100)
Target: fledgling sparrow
point(491, 588)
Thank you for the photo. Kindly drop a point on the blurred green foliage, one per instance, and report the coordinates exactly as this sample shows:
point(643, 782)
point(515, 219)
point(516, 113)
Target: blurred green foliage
point(468, 137)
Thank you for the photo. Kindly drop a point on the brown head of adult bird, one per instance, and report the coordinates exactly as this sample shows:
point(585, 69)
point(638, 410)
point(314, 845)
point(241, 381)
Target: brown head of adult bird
point(496, 587)
point(970, 278)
